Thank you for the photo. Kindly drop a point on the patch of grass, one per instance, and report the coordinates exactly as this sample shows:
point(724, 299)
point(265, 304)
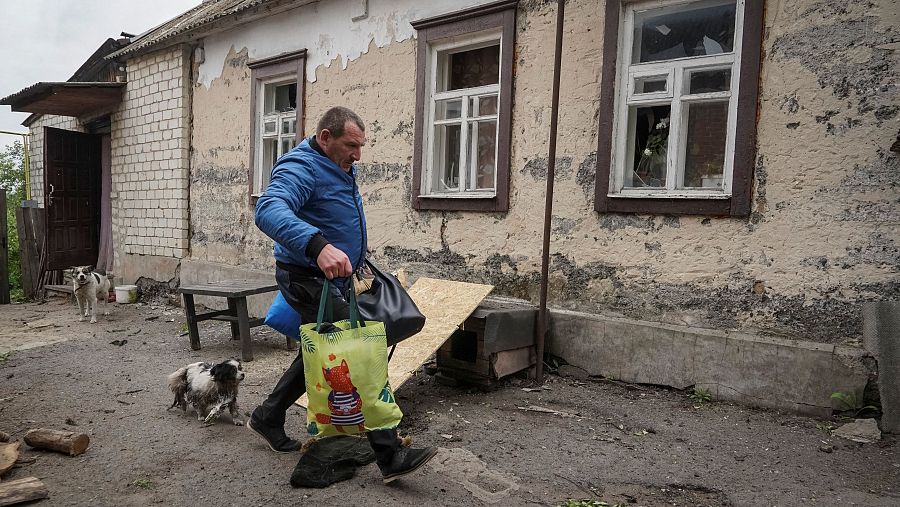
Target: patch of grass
point(853, 403)
point(824, 427)
point(4, 356)
point(700, 395)
point(571, 502)
point(142, 483)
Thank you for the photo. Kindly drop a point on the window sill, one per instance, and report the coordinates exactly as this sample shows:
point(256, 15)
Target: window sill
point(460, 202)
point(650, 194)
point(459, 195)
point(666, 204)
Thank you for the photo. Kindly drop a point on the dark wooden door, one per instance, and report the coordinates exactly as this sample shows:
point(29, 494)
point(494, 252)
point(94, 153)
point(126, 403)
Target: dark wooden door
point(71, 197)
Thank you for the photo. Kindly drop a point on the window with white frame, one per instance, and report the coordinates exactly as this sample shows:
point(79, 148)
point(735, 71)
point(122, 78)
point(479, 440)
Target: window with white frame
point(463, 107)
point(676, 103)
point(276, 99)
point(464, 78)
point(277, 126)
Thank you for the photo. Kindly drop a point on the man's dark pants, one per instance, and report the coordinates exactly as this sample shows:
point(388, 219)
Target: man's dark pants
point(302, 289)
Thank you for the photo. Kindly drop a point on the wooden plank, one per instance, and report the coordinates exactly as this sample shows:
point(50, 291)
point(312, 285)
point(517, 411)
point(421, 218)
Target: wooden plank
point(30, 224)
point(446, 305)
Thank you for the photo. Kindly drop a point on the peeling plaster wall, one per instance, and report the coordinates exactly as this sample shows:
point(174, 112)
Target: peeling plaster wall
point(824, 225)
point(36, 149)
point(222, 229)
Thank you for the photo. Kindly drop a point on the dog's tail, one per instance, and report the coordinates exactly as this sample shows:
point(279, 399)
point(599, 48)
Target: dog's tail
point(178, 384)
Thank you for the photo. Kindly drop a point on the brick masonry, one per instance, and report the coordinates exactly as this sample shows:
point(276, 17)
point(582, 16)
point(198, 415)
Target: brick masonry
point(150, 158)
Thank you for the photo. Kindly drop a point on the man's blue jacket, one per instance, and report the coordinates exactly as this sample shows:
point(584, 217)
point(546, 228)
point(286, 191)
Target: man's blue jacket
point(309, 195)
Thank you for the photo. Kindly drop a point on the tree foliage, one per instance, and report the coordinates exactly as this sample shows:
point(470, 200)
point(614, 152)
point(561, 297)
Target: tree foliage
point(12, 179)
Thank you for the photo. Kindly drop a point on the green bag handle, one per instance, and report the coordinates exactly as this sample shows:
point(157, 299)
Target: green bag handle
point(326, 312)
point(355, 317)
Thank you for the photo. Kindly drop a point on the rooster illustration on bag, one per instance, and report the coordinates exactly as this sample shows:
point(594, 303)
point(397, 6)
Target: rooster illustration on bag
point(344, 401)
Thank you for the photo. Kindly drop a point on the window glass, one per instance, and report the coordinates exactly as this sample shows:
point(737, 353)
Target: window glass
point(707, 81)
point(666, 34)
point(448, 109)
point(707, 125)
point(470, 68)
point(484, 136)
point(447, 140)
point(650, 126)
point(483, 106)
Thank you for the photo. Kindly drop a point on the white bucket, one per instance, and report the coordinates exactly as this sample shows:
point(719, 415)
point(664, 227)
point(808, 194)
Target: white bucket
point(126, 294)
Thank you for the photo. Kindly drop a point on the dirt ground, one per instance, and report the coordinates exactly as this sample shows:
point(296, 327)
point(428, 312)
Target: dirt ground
point(611, 442)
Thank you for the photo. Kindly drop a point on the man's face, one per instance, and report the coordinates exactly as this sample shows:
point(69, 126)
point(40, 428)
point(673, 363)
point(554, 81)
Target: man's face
point(344, 150)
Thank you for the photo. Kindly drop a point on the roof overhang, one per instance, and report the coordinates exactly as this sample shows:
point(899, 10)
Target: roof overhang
point(66, 99)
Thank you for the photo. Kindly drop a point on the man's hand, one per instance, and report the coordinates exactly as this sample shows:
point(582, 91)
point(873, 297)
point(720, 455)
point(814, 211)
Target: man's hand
point(334, 263)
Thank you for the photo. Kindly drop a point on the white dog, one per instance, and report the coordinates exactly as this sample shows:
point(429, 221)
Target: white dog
point(89, 287)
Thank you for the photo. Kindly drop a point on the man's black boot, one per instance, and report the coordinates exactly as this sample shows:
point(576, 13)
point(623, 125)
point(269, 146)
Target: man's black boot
point(274, 436)
point(267, 420)
point(393, 459)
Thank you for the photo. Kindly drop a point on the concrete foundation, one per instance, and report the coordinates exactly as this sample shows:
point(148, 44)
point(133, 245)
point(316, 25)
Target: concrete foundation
point(132, 266)
point(775, 373)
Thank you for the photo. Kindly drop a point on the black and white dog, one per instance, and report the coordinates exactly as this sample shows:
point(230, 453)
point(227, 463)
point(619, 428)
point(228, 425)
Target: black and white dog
point(208, 388)
point(89, 287)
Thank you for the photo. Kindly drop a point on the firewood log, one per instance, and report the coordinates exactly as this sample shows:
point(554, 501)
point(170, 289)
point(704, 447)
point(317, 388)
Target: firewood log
point(22, 490)
point(66, 442)
point(9, 453)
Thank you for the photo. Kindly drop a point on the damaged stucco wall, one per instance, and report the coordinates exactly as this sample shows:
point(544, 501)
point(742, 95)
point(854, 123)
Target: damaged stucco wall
point(36, 149)
point(821, 237)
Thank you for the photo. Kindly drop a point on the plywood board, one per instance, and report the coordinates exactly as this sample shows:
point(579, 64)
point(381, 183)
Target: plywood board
point(446, 305)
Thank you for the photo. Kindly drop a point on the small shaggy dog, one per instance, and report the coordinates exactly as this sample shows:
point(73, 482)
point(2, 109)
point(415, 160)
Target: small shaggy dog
point(209, 388)
point(89, 287)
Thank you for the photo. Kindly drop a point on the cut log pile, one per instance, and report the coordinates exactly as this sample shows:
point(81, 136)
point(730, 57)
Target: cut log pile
point(28, 489)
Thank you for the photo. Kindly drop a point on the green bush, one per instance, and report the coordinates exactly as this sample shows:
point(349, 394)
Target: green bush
point(12, 179)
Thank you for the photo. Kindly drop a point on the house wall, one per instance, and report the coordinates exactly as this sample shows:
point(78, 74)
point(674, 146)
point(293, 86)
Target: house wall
point(150, 167)
point(36, 149)
point(821, 237)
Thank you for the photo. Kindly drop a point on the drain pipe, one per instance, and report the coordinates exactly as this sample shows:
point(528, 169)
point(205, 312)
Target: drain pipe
point(543, 319)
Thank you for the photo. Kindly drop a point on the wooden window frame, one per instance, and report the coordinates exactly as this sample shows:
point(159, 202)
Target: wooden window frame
point(498, 16)
point(744, 154)
point(264, 70)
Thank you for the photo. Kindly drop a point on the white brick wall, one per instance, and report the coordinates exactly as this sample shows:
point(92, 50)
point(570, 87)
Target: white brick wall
point(36, 149)
point(150, 157)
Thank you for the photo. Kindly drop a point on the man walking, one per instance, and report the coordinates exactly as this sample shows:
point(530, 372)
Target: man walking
point(313, 210)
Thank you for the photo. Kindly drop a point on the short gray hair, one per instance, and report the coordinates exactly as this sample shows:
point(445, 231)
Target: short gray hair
point(335, 118)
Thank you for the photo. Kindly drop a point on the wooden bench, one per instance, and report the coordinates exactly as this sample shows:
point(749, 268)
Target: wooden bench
point(236, 291)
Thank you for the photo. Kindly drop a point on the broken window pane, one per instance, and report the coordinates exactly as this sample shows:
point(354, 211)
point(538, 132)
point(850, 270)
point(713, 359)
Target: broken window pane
point(708, 81)
point(650, 84)
point(280, 97)
point(649, 128)
point(707, 125)
point(666, 34)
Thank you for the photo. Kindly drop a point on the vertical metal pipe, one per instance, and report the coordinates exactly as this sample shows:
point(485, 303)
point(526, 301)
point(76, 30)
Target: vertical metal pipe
point(548, 205)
